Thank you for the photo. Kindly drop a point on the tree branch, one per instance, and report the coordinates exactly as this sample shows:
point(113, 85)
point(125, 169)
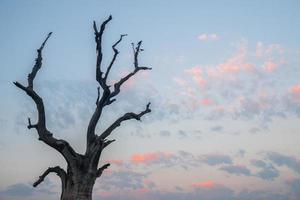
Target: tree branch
point(137, 68)
point(46, 136)
point(30, 125)
point(106, 143)
point(38, 63)
point(116, 52)
point(107, 96)
point(59, 172)
point(101, 102)
point(101, 169)
point(125, 117)
point(98, 95)
point(98, 40)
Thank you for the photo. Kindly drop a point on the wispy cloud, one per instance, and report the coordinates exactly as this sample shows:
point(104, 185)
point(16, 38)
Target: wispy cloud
point(216, 159)
point(284, 160)
point(237, 170)
point(208, 37)
point(267, 172)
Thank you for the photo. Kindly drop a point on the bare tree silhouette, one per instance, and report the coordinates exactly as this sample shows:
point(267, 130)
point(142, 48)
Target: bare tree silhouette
point(82, 169)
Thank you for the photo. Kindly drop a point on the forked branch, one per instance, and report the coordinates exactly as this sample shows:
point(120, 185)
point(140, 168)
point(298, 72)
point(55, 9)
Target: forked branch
point(46, 136)
point(38, 63)
point(107, 97)
point(116, 52)
point(101, 101)
point(125, 117)
point(98, 40)
point(59, 172)
point(137, 68)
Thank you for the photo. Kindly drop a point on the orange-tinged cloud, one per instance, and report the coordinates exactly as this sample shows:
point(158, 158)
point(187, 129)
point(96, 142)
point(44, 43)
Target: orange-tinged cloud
point(149, 157)
point(204, 184)
point(295, 89)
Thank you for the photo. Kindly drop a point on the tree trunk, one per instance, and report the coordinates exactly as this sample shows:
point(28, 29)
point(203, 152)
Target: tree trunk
point(78, 186)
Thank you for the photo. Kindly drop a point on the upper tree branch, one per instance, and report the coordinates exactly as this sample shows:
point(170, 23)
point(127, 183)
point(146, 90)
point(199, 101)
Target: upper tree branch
point(137, 68)
point(60, 145)
point(100, 102)
point(108, 96)
point(104, 100)
point(38, 63)
point(125, 117)
point(59, 171)
point(116, 52)
point(98, 40)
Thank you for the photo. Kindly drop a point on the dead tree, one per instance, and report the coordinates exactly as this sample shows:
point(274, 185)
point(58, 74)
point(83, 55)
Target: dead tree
point(82, 169)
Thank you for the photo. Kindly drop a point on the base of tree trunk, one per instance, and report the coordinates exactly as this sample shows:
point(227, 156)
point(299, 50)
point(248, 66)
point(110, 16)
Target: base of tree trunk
point(82, 190)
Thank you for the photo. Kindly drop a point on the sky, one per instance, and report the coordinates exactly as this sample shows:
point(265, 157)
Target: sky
point(224, 91)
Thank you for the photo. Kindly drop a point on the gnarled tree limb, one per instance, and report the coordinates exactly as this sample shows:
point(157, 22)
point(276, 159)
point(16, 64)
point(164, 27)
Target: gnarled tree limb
point(101, 169)
point(125, 117)
point(44, 134)
point(100, 103)
point(137, 68)
point(38, 63)
point(59, 171)
point(107, 96)
point(98, 40)
point(106, 143)
point(116, 52)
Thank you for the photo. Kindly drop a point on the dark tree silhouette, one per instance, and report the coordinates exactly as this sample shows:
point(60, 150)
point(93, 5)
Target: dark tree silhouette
point(82, 169)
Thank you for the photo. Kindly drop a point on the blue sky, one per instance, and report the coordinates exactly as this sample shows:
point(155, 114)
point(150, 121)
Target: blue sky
point(224, 88)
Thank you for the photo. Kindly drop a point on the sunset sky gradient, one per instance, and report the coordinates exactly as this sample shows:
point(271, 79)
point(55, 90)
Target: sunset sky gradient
point(224, 93)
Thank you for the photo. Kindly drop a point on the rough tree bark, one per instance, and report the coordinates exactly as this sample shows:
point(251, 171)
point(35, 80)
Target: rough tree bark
point(82, 169)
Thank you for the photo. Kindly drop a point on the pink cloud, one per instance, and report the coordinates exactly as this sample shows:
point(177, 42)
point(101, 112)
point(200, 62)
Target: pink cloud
point(207, 102)
point(204, 184)
point(197, 75)
point(270, 66)
point(295, 89)
point(142, 190)
point(149, 157)
point(237, 63)
point(295, 92)
point(230, 68)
